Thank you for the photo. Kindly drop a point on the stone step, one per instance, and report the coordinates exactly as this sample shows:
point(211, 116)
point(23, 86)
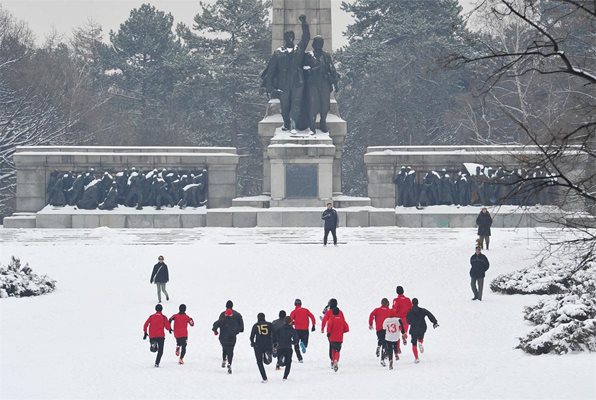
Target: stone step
point(268, 125)
point(20, 221)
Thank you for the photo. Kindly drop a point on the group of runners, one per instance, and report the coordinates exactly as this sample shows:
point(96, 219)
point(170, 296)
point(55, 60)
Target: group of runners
point(289, 334)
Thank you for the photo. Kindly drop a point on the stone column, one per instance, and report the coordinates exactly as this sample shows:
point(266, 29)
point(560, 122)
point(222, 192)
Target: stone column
point(285, 18)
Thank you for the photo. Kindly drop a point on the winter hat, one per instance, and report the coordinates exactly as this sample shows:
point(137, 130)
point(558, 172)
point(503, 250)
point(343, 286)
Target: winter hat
point(282, 314)
point(297, 302)
point(261, 316)
point(415, 301)
point(332, 303)
point(158, 307)
point(399, 290)
point(335, 311)
point(182, 308)
point(228, 312)
point(229, 304)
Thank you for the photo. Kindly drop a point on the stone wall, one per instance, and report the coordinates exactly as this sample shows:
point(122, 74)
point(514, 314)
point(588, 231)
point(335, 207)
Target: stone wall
point(35, 164)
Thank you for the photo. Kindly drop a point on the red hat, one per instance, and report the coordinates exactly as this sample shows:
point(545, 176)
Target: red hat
point(228, 312)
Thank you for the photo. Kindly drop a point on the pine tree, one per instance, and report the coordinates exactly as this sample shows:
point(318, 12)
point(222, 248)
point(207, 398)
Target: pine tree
point(395, 89)
point(231, 41)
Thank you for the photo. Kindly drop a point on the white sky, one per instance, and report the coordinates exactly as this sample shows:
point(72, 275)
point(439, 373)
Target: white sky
point(65, 15)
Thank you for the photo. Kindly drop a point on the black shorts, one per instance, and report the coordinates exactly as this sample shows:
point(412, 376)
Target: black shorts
point(181, 341)
point(303, 336)
point(335, 346)
point(415, 337)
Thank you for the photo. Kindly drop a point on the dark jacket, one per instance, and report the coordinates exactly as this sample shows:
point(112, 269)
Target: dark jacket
point(275, 326)
point(330, 217)
point(484, 221)
point(237, 317)
point(479, 264)
point(160, 273)
point(286, 336)
point(416, 320)
point(228, 329)
point(261, 335)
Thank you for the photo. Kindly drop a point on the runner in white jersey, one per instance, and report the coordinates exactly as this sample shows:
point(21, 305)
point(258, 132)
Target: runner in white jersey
point(393, 328)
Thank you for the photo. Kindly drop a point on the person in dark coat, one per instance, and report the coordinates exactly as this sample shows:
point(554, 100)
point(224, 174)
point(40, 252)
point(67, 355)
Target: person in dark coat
point(160, 276)
point(276, 324)
point(331, 222)
point(480, 265)
point(286, 338)
point(418, 326)
point(261, 340)
point(229, 326)
point(484, 222)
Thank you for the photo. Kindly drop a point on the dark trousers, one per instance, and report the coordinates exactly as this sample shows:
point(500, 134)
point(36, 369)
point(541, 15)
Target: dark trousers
point(181, 342)
point(477, 285)
point(332, 230)
point(260, 356)
point(391, 348)
point(284, 357)
point(302, 336)
point(381, 342)
point(483, 240)
point(227, 352)
point(160, 341)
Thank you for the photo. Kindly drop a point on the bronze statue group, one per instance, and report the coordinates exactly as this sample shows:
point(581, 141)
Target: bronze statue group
point(90, 190)
point(486, 186)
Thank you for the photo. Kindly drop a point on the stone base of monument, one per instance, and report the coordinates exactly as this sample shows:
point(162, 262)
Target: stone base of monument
point(291, 217)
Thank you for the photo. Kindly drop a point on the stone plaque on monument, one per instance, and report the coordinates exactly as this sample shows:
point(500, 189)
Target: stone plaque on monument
point(302, 180)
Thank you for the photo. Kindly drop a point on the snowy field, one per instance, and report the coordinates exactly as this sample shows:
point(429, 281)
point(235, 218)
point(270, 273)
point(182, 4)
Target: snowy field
point(84, 341)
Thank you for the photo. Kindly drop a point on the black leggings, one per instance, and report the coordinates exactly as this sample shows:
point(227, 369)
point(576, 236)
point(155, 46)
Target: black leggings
point(284, 357)
point(227, 352)
point(160, 341)
point(302, 336)
point(391, 348)
point(181, 342)
point(260, 356)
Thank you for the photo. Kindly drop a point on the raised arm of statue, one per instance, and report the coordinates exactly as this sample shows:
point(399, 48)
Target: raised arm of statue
point(305, 34)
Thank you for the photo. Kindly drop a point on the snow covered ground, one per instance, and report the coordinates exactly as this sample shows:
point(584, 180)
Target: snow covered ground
point(84, 340)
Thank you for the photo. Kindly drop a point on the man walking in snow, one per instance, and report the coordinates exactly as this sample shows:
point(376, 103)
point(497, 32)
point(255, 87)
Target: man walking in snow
point(157, 324)
point(331, 222)
point(480, 265)
point(261, 340)
point(181, 322)
point(300, 316)
point(160, 276)
point(418, 327)
point(275, 325)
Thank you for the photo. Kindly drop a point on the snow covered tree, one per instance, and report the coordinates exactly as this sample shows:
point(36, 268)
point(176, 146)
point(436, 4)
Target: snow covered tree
point(394, 87)
point(144, 62)
point(230, 43)
point(17, 280)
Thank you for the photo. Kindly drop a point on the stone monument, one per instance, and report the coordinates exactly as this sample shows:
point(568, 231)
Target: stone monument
point(301, 167)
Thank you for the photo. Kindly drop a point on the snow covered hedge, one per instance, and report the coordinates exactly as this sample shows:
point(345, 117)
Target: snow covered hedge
point(20, 281)
point(565, 321)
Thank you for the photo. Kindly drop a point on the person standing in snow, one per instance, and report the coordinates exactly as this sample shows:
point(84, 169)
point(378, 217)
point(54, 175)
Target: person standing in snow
point(402, 305)
point(181, 322)
point(286, 338)
point(418, 327)
point(484, 222)
point(480, 265)
point(392, 326)
point(160, 276)
point(229, 326)
point(300, 316)
point(331, 222)
point(261, 340)
point(336, 328)
point(157, 324)
point(378, 315)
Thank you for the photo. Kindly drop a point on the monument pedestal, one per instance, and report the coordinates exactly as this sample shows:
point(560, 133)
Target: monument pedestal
point(289, 159)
